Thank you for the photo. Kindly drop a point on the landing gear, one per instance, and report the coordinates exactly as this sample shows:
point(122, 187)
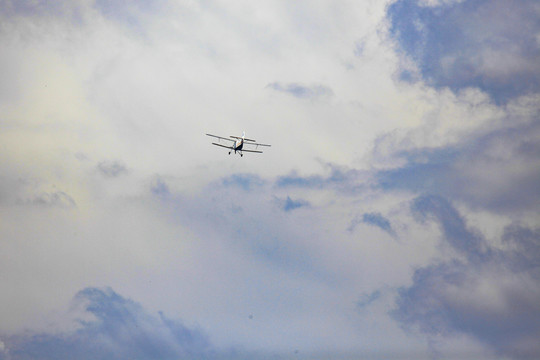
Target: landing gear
point(235, 152)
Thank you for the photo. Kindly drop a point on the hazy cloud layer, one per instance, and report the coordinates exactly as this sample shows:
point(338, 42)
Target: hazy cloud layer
point(400, 193)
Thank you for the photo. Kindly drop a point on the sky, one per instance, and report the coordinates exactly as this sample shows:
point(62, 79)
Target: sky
point(396, 214)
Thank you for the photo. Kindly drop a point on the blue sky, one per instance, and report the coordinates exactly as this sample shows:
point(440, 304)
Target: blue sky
point(395, 215)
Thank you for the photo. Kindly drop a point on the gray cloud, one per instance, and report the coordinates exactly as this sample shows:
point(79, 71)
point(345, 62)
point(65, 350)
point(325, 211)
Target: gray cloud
point(449, 297)
point(290, 204)
point(314, 181)
point(339, 178)
point(121, 328)
point(119, 9)
point(160, 188)
point(244, 181)
point(367, 299)
point(30, 8)
point(375, 219)
point(465, 240)
point(302, 91)
point(111, 169)
point(130, 13)
point(491, 45)
point(56, 198)
point(524, 253)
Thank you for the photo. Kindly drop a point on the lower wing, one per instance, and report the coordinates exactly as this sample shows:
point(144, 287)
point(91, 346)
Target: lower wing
point(232, 148)
point(227, 147)
point(249, 142)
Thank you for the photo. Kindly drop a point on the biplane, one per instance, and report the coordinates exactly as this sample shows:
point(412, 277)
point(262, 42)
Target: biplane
point(237, 143)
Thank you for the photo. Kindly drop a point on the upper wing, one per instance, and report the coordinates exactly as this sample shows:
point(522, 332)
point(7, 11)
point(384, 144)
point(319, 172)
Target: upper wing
point(231, 138)
point(237, 137)
point(220, 137)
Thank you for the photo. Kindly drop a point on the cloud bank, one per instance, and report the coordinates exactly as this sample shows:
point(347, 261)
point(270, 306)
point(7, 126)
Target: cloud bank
point(483, 44)
point(481, 290)
point(119, 328)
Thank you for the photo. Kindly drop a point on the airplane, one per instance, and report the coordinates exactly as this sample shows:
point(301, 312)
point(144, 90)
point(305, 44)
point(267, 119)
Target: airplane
point(237, 143)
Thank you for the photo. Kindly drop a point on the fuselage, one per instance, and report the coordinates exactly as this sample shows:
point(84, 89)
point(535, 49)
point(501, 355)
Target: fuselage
point(238, 144)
